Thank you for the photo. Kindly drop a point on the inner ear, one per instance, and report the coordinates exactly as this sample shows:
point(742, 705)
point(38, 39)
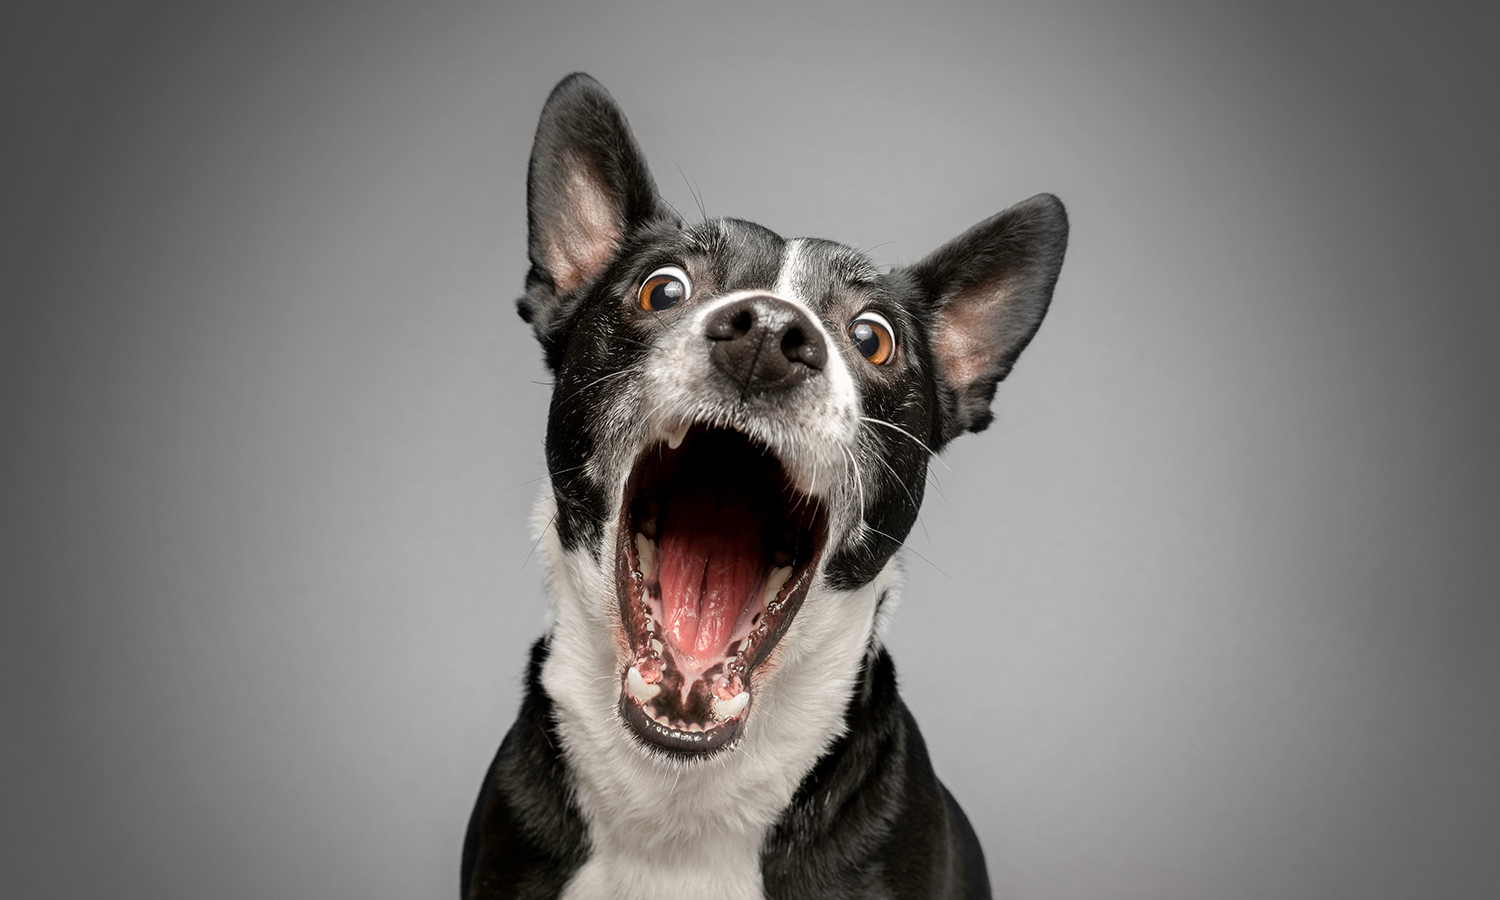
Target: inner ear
point(989, 289)
point(585, 226)
point(981, 329)
point(587, 191)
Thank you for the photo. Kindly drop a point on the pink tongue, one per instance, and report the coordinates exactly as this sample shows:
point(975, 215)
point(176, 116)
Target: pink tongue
point(708, 563)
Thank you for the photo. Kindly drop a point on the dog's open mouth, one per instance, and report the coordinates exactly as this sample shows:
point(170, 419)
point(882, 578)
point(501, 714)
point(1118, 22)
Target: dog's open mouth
point(716, 552)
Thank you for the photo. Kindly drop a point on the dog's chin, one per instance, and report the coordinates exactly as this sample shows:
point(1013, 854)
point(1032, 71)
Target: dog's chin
point(716, 551)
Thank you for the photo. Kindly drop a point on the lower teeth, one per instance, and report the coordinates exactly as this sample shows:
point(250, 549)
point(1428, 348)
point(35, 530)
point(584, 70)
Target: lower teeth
point(728, 709)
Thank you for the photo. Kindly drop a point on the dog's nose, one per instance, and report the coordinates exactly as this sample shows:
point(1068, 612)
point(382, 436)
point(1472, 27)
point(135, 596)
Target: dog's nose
point(765, 344)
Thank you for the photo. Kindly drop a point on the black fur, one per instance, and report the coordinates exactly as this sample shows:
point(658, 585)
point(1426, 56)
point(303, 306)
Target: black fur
point(526, 837)
point(871, 819)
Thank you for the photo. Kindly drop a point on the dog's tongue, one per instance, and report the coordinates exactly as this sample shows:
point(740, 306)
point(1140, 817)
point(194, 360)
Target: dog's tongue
point(709, 560)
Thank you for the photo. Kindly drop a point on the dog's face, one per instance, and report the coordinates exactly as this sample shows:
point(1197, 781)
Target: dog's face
point(741, 424)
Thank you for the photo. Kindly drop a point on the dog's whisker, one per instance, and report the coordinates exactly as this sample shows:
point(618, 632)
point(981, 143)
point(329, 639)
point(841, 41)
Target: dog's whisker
point(859, 480)
point(619, 373)
point(914, 551)
point(539, 540)
point(896, 476)
point(543, 477)
point(930, 452)
point(936, 484)
point(693, 189)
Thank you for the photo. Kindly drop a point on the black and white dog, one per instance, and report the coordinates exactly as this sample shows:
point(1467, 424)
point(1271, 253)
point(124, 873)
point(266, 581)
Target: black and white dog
point(738, 443)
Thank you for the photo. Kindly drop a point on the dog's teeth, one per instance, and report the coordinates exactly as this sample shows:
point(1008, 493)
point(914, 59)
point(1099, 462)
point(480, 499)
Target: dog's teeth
point(645, 551)
point(775, 583)
point(658, 646)
point(674, 440)
point(728, 686)
point(728, 709)
point(650, 668)
point(639, 689)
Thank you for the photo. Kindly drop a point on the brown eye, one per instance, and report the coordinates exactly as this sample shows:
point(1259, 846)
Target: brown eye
point(873, 337)
point(664, 289)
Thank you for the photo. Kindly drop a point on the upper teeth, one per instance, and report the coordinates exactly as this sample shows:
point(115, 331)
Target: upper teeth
point(639, 689)
point(774, 584)
point(674, 439)
point(645, 551)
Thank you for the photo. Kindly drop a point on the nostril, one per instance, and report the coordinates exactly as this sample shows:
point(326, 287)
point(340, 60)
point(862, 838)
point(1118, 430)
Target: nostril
point(793, 344)
point(731, 323)
point(796, 347)
point(742, 321)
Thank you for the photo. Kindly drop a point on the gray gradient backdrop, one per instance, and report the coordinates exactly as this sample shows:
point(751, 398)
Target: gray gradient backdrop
point(1210, 613)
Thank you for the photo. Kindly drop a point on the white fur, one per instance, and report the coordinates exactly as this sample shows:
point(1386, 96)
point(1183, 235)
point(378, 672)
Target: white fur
point(791, 269)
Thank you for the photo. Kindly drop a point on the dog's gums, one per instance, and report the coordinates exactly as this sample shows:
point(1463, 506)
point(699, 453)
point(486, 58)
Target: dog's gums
point(716, 551)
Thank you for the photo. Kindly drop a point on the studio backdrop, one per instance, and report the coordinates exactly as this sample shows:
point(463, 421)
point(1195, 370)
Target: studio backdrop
point(1209, 612)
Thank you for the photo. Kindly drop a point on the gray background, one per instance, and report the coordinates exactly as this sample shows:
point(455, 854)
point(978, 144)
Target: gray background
point(1210, 613)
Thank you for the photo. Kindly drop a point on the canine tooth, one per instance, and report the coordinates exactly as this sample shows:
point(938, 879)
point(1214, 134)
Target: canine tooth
point(728, 709)
point(775, 583)
point(674, 440)
point(639, 689)
point(645, 551)
point(650, 668)
point(728, 686)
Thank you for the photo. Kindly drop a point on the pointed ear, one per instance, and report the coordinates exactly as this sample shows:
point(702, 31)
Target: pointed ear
point(989, 289)
point(587, 189)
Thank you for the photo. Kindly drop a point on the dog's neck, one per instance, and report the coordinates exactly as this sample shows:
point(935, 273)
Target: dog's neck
point(674, 828)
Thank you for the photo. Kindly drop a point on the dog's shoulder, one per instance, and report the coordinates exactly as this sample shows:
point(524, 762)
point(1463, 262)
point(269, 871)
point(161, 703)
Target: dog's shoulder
point(526, 837)
point(872, 819)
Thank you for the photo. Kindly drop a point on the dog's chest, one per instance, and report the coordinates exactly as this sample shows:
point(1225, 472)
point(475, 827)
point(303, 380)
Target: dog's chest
point(655, 832)
point(705, 870)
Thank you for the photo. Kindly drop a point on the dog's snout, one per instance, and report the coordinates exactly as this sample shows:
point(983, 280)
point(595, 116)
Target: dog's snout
point(765, 344)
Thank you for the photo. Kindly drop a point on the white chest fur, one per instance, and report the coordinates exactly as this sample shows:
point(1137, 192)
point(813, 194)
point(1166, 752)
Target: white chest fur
point(660, 829)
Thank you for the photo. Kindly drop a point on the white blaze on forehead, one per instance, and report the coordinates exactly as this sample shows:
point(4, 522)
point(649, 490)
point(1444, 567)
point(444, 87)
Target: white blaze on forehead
point(791, 270)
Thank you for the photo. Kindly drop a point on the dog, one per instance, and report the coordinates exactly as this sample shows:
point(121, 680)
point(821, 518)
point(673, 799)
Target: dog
point(737, 445)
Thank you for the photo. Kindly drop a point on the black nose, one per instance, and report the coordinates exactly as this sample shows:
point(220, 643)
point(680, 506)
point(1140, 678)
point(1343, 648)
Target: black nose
point(765, 344)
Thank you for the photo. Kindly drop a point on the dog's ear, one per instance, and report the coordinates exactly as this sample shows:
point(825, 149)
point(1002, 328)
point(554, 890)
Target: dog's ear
point(587, 190)
point(988, 290)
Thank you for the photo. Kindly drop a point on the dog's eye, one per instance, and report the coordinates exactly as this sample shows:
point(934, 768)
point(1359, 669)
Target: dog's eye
point(664, 289)
point(873, 337)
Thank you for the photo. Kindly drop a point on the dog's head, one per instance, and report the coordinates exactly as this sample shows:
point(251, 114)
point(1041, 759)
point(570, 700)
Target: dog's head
point(741, 423)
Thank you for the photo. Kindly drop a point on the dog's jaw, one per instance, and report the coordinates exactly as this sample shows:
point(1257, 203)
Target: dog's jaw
point(716, 549)
point(672, 826)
